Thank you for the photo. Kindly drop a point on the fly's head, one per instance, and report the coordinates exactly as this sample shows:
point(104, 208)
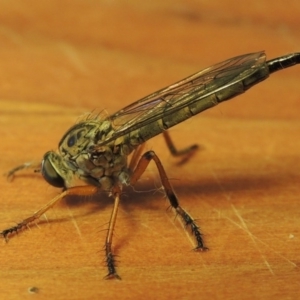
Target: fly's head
point(73, 161)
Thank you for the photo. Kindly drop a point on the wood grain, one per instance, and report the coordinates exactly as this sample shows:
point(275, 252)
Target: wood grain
point(61, 59)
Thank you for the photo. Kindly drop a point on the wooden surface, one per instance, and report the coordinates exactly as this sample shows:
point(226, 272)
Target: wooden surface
point(61, 59)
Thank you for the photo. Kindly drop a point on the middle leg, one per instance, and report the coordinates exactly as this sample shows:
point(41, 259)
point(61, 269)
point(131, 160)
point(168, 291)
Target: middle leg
point(187, 219)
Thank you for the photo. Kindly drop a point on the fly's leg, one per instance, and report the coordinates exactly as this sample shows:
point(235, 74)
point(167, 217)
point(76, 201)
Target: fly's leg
point(136, 156)
point(188, 151)
point(83, 190)
point(80, 190)
point(28, 165)
point(187, 219)
point(110, 259)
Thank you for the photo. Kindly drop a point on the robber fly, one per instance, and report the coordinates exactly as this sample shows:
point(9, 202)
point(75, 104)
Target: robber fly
point(96, 150)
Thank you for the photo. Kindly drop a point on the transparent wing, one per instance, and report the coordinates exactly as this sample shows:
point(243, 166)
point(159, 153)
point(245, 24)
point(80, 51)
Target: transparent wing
point(172, 98)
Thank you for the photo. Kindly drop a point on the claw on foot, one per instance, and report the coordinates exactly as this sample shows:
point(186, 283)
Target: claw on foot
point(110, 276)
point(201, 249)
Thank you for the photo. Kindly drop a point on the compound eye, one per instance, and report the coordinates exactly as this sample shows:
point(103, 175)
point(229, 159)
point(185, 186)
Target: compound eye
point(71, 141)
point(50, 174)
point(75, 138)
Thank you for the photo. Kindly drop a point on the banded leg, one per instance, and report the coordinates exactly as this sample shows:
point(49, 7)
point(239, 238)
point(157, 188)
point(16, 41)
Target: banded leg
point(187, 219)
point(185, 151)
point(110, 260)
point(81, 190)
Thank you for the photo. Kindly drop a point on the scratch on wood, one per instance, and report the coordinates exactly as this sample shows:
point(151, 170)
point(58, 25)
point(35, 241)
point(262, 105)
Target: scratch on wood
point(74, 222)
point(266, 245)
point(12, 35)
point(73, 57)
point(245, 227)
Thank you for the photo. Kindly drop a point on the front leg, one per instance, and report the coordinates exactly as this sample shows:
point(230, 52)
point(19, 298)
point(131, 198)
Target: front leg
point(36, 166)
point(80, 190)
